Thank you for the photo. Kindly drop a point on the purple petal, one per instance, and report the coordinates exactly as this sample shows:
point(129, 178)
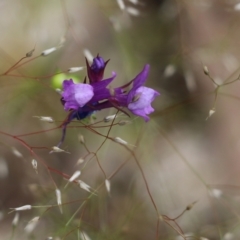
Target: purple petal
point(138, 81)
point(96, 70)
point(142, 105)
point(100, 90)
point(76, 95)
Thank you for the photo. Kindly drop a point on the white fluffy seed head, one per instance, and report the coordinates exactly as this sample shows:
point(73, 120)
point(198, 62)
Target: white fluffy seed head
point(34, 165)
point(45, 118)
point(205, 70)
point(169, 70)
point(110, 118)
point(58, 195)
point(80, 161)
point(58, 90)
point(237, 7)
point(16, 152)
point(74, 176)
point(31, 225)
point(121, 4)
point(81, 138)
point(15, 220)
point(134, 1)
point(108, 185)
point(59, 199)
point(228, 236)
point(190, 81)
point(211, 112)
point(58, 150)
point(3, 168)
point(84, 186)
point(133, 11)
point(48, 51)
point(88, 55)
point(84, 236)
point(119, 140)
point(23, 208)
point(217, 193)
point(75, 69)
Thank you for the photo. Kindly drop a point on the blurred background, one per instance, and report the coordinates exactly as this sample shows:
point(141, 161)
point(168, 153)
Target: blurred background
point(189, 151)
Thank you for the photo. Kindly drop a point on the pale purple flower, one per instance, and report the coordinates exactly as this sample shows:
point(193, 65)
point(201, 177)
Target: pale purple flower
point(76, 95)
point(141, 103)
point(138, 100)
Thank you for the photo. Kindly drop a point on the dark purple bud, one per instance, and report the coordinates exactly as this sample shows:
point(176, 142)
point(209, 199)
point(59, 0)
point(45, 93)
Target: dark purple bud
point(96, 70)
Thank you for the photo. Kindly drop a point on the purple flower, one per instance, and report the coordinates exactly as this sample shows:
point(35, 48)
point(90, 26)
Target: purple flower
point(76, 95)
point(139, 98)
point(96, 70)
point(83, 99)
point(141, 103)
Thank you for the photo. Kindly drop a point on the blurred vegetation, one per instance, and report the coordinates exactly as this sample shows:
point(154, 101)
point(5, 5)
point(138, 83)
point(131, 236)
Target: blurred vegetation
point(178, 177)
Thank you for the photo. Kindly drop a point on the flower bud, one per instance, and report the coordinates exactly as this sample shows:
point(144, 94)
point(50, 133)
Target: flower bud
point(96, 70)
point(108, 185)
point(119, 140)
point(74, 176)
point(45, 118)
point(57, 150)
point(34, 165)
point(75, 69)
point(48, 51)
point(23, 208)
point(31, 225)
point(59, 199)
point(205, 70)
point(121, 4)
